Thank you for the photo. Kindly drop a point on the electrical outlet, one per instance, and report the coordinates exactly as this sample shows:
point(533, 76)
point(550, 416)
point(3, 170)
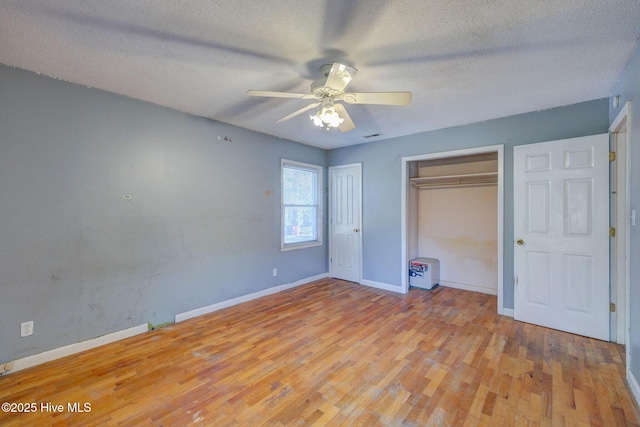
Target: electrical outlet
point(275, 272)
point(26, 329)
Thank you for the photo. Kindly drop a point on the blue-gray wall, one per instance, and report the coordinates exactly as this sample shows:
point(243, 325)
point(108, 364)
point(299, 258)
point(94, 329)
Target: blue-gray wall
point(202, 225)
point(628, 87)
point(381, 169)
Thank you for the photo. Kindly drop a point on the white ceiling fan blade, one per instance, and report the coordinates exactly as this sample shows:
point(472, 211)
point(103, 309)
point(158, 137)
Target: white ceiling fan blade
point(300, 111)
point(280, 94)
point(347, 124)
point(381, 98)
point(339, 76)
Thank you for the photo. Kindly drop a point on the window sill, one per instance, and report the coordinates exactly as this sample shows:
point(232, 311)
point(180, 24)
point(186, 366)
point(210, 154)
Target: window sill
point(304, 245)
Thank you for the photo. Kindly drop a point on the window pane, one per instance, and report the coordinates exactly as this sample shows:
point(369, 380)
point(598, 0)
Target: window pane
point(299, 186)
point(300, 224)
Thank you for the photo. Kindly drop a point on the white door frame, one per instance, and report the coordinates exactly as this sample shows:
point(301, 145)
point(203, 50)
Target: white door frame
point(623, 238)
point(404, 262)
point(331, 168)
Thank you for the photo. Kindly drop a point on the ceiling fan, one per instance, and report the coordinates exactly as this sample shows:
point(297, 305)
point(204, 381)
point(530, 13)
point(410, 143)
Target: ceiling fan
point(329, 89)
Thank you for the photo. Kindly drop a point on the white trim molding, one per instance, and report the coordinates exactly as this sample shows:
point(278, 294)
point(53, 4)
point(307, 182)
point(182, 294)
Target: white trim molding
point(383, 286)
point(634, 386)
point(467, 287)
point(244, 298)
point(68, 350)
point(622, 264)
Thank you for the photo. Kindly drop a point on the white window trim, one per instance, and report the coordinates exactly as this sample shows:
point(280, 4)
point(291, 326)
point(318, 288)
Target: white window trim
point(320, 194)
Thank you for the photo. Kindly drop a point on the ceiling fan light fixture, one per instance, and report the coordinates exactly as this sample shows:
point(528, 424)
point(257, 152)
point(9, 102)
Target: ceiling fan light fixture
point(316, 119)
point(328, 116)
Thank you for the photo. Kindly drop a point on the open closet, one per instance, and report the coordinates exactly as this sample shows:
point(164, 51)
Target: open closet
point(452, 216)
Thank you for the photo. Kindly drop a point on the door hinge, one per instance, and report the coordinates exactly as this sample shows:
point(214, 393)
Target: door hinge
point(612, 156)
point(612, 307)
point(612, 232)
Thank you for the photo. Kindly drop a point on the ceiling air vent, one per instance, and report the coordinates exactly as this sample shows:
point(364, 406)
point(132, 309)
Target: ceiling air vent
point(373, 135)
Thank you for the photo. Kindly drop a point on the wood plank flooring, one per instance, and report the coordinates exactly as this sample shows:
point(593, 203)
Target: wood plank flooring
point(337, 353)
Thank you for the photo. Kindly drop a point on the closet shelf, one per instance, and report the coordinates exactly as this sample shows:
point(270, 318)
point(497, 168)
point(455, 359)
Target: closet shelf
point(484, 178)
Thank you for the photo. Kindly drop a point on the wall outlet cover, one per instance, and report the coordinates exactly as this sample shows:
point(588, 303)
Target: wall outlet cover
point(26, 329)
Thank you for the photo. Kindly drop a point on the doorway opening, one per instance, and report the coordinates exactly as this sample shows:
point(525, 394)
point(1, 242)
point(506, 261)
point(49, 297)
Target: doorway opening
point(456, 190)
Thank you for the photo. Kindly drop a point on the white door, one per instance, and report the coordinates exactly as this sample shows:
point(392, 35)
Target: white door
point(345, 222)
point(561, 230)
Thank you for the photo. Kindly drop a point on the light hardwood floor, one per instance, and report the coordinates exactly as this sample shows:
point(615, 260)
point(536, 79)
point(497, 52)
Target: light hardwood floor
point(337, 353)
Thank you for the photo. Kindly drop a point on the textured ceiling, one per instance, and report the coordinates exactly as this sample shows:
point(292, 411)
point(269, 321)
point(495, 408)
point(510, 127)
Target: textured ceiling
point(464, 61)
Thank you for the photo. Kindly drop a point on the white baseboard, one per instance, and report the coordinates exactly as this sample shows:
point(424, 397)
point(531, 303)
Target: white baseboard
point(67, 350)
point(507, 312)
point(244, 298)
point(380, 285)
point(466, 287)
point(634, 386)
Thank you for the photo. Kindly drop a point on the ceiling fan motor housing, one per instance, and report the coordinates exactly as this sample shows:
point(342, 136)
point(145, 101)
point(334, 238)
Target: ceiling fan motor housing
point(319, 89)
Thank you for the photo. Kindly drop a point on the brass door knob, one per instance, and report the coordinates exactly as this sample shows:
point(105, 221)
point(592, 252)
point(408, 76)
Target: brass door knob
point(520, 242)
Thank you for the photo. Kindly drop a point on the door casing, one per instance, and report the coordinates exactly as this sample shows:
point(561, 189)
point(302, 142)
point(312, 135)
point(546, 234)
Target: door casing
point(623, 229)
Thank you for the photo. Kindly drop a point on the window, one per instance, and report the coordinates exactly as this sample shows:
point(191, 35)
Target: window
point(301, 205)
